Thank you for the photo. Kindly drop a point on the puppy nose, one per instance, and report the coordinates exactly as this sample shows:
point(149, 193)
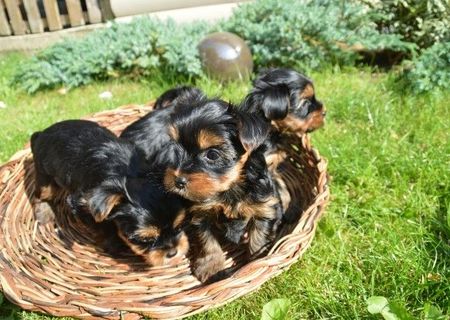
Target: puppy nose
point(171, 253)
point(180, 182)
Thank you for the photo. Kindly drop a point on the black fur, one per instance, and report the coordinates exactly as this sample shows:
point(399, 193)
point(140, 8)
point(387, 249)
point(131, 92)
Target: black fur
point(186, 93)
point(106, 177)
point(278, 92)
point(151, 134)
point(170, 137)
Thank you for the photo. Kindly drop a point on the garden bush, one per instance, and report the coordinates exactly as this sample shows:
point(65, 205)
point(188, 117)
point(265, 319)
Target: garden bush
point(310, 33)
point(430, 70)
point(135, 48)
point(423, 22)
point(306, 34)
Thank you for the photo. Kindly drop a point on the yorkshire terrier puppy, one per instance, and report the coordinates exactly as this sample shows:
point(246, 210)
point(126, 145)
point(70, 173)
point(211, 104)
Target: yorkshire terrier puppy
point(152, 133)
point(104, 176)
point(287, 98)
point(209, 158)
point(177, 94)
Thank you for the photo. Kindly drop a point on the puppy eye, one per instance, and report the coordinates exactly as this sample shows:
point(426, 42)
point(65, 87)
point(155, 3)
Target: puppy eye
point(303, 107)
point(142, 241)
point(212, 154)
point(147, 240)
point(150, 242)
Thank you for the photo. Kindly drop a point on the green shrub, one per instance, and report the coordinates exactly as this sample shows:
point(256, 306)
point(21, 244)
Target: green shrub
point(309, 33)
point(136, 48)
point(430, 70)
point(305, 34)
point(422, 22)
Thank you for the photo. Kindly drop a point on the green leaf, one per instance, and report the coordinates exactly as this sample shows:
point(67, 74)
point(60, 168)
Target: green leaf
point(1, 298)
point(400, 311)
point(432, 313)
point(276, 309)
point(388, 315)
point(376, 304)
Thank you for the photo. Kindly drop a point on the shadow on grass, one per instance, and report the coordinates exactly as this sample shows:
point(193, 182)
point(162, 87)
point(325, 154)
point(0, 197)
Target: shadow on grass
point(437, 283)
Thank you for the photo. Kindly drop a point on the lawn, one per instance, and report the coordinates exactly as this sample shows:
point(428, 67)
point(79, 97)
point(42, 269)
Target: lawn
point(386, 231)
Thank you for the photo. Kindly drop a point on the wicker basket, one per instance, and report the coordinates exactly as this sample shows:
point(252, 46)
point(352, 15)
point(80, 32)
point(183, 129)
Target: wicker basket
point(58, 269)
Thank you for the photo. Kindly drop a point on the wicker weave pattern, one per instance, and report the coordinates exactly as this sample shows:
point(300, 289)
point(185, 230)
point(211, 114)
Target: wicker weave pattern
point(59, 269)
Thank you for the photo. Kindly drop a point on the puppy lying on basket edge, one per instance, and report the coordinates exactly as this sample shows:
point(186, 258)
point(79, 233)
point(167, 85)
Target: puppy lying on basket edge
point(287, 99)
point(105, 177)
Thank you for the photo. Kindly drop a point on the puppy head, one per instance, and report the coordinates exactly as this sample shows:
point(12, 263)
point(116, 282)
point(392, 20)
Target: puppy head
point(213, 141)
point(181, 93)
point(288, 98)
point(148, 220)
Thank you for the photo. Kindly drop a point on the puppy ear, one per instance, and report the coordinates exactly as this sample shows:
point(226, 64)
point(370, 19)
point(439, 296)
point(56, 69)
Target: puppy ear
point(102, 200)
point(275, 102)
point(253, 130)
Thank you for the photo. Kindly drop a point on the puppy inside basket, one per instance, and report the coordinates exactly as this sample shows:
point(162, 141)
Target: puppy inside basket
point(210, 167)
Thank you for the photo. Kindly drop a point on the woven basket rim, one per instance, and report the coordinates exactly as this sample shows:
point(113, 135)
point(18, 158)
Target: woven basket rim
point(286, 251)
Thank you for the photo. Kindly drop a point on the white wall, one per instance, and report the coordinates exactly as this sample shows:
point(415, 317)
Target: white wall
point(122, 8)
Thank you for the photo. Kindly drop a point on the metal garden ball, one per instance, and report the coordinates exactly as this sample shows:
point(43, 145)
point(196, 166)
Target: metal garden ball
point(225, 56)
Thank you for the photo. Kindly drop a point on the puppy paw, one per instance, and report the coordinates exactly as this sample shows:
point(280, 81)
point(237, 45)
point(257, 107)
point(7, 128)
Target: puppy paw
point(43, 212)
point(206, 267)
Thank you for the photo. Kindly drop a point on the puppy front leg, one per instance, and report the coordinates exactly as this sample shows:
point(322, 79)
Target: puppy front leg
point(45, 190)
point(259, 236)
point(209, 258)
point(263, 228)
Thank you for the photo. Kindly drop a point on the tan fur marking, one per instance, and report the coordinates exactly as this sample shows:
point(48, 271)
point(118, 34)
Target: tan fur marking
point(257, 210)
point(208, 208)
point(242, 210)
point(179, 219)
point(158, 257)
point(173, 132)
point(291, 123)
point(274, 159)
point(209, 260)
point(47, 192)
point(308, 92)
point(200, 185)
point(169, 178)
point(149, 232)
point(207, 139)
point(257, 239)
point(283, 190)
point(111, 202)
point(136, 249)
point(183, 245)
point(235, 174)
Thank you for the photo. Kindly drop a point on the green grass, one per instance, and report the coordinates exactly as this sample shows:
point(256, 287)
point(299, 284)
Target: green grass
point(387, 229)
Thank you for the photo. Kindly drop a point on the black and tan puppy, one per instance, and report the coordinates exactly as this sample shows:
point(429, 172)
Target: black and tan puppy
point(178, 94)
point(208, 148)
point(287, 98)
point(104, 176)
